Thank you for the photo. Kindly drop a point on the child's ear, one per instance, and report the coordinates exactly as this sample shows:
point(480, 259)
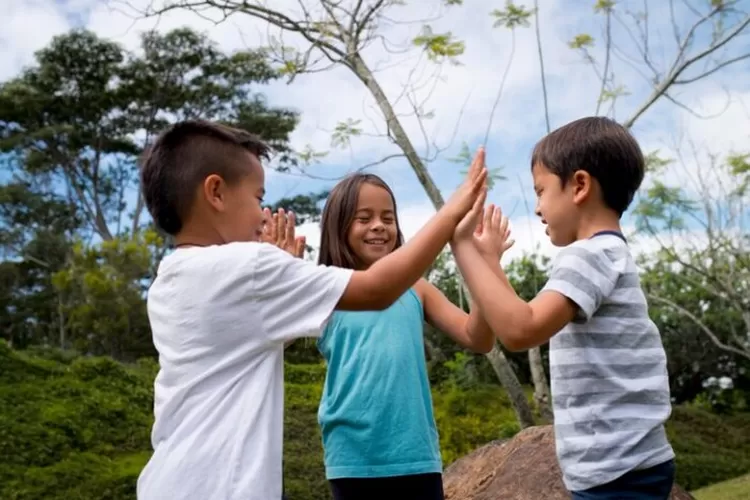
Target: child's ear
point(582, 185)
point(214, 191)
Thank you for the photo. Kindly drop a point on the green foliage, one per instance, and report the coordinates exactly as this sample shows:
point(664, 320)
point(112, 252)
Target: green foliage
point(605, 6)
point(306, 207)
point(70, 137)
point(692, 355)
point(581, 41)
point(79, 428)
point(470, 417)
point(709, 448)
point(344, 131)
point(439, 46)
point(512, 16)
point(102, 291)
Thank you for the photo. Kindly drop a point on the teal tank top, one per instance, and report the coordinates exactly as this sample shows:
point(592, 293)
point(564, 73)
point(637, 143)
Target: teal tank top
point(376, 413)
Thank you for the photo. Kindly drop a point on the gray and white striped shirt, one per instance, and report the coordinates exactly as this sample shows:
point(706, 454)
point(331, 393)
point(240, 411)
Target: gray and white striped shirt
point(608, 367)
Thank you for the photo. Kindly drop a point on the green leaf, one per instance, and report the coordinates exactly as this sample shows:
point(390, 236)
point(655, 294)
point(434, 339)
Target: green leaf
point(512, 16)
point(581, 41)
point(439, 46)
point(344, 131)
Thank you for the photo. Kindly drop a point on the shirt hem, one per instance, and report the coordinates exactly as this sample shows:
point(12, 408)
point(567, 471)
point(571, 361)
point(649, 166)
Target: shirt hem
point(665, 456)
point(340, 472)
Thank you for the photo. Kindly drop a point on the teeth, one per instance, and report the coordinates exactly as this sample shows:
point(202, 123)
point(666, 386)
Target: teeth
point(375, 242)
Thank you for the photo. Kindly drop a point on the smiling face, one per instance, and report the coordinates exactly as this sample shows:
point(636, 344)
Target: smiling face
point(556, 205)
point(373, 232)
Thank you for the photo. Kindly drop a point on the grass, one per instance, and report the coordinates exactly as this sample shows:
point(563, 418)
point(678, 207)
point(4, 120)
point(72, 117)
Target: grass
point(79, 428)
point(734, 489)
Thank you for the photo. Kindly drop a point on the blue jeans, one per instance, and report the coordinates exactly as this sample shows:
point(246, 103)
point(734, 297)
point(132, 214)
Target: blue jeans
point(654, 483)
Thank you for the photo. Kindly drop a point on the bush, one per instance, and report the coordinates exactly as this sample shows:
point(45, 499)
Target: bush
point(709, 448)
point(78, 428)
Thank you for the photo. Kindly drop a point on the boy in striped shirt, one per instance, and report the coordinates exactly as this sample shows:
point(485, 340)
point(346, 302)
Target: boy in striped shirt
point(610, 387)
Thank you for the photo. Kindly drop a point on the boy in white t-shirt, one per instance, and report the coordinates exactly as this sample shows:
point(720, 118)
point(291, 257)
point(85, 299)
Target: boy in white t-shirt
point(223, 305)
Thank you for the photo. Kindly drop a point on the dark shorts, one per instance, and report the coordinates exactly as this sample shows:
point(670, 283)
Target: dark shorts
point(654, 483)
point(413, 487)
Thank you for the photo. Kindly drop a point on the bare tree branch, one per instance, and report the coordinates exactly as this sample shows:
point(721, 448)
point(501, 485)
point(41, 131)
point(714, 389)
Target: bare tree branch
point(681, 63)
point(695, 319)
point(541, 64)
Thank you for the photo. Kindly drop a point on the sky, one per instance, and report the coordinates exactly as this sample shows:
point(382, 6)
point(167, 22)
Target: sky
point(713, 116)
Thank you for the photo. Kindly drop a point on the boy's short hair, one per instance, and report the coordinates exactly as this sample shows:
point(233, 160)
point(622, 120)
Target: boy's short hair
point(603, 148)
point(182, 157)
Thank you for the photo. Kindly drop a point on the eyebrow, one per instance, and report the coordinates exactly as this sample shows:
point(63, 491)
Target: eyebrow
point(370, 210)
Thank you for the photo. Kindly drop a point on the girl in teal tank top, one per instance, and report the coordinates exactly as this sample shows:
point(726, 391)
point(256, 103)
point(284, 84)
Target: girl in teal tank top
point(376, 418)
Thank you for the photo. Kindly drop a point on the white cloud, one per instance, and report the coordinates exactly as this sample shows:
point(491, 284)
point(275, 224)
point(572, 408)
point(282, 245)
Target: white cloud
point(18, 41)
point(329, 97)
point(463, 92)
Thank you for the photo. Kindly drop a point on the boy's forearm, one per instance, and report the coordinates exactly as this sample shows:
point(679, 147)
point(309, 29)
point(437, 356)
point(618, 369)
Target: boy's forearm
point(506, 314)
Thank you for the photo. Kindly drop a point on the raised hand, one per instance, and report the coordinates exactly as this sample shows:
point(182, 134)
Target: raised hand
point(462, 201)
point(473, 218)
point(492, 234)
point(279, 230)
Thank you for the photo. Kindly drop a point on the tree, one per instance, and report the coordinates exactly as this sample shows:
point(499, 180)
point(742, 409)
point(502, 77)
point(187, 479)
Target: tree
point(338, 32)
point(35, 226)
point(71, 129)
point(72, 121)
point(102, 291)
point(700, 229)
point(693, 357)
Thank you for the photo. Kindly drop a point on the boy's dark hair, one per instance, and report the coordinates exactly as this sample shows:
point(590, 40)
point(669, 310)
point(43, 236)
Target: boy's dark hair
point(337, 218)
point(182, 157)
point(603, 148)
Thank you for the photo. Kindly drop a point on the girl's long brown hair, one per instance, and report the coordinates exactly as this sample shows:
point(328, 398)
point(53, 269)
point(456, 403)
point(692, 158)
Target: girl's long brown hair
point(337, 218)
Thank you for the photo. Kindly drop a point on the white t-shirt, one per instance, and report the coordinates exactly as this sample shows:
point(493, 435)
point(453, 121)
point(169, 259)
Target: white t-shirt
point(220, 316)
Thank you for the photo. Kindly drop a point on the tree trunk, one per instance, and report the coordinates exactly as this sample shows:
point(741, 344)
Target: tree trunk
point(542, 395)
point(61, 320)
point(513, 387)
point(499, 362)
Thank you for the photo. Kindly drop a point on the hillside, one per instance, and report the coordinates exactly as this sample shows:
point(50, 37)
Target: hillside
point(79, 428)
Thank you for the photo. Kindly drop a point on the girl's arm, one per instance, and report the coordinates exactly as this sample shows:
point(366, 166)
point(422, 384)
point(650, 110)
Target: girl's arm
point(468, 330)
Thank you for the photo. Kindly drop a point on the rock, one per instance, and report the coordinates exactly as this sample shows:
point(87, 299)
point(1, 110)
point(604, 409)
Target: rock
point(522, 468)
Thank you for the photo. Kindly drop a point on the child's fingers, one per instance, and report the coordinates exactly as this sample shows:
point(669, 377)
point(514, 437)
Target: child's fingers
point(299, 250)
point(477, 163)
point(478, 207)
point(480, 225)
point(496, 219)
point(488, 217)
point(274, 229)
point(480, 182)
point(290, 228)
point(507, 225)
point(281, 225)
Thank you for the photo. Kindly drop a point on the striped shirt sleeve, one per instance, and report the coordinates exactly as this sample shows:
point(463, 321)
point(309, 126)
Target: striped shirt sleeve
point(583, 273)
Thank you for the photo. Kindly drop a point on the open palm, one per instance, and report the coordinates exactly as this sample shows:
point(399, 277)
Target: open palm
point(279, 231)
point(492, 234)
